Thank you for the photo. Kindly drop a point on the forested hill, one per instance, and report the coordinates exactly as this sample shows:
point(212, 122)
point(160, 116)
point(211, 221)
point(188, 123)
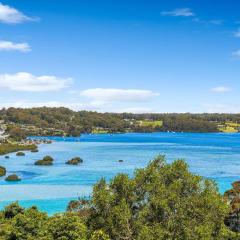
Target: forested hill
point(63, 121)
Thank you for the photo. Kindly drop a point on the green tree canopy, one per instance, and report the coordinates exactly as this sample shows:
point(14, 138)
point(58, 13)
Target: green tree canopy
point(162, 201)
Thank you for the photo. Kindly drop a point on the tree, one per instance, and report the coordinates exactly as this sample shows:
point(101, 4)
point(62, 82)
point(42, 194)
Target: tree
point(162, 201)
point(67, 227)
point(17, 133)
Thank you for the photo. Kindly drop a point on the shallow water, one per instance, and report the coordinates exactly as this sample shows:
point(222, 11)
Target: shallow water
point(213, 155)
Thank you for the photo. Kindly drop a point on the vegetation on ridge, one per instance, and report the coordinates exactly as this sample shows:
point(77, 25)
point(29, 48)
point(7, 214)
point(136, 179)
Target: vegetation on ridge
point(65, 122)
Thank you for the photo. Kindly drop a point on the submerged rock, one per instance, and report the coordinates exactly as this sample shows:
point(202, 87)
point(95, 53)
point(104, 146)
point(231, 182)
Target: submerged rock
point(13, 177)
point(120, 160)
point(7, 157)
point(74, 161)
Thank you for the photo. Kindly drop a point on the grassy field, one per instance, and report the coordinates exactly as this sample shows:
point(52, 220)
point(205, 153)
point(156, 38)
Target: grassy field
point(99, 131)
point(148, 123)
point(229, 127)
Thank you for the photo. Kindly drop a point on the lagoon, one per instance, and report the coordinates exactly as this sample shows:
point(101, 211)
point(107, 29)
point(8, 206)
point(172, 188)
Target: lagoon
point(212, 155)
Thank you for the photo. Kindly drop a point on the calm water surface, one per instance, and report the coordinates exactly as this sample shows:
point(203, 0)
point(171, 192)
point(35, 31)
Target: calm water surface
point(216, 156)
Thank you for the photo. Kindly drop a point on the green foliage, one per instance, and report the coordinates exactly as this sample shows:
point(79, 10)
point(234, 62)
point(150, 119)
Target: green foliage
point(12, 210)
point(63, 121)
point(162, 201)
point(99, 235)
point(67, 227)
point(17, 223)
point(2, 171)
point(16, 133)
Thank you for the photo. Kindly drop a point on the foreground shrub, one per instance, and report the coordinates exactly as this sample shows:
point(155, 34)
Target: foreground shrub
point(17, 223)
point(67, 226)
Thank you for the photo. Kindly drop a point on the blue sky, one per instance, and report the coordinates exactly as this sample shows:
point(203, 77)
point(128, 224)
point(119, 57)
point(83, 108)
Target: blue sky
point(134, 56)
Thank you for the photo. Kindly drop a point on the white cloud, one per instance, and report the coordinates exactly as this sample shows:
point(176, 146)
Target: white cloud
point(24, 81)
point(237, 33)
point(11, 15)
point(179, 12)
point(27, 104)
point(236, 54)
point(221, 108)
point(221, 89)
point(136, 110)
point(101, 95)
point(11, 46)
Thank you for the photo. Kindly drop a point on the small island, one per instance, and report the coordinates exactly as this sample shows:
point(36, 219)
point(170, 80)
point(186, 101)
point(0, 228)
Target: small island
point(46, 161)
point(34, 150)
point(74, 161)
point(2, 171)
point(13, 178)
point(20, 154)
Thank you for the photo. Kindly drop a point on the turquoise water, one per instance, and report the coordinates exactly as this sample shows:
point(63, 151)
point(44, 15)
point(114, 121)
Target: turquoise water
point(213, 155)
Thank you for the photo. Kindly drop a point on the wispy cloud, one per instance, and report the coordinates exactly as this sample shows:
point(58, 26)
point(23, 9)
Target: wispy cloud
point(179, 12)
point(237, 33)
point(207, 22)
point(24, 81)
point(11, 15)
point(236, 54)
point(11, 46)
point(118, 95)
point(221, 108)
point(221, 89)
point(135, 110)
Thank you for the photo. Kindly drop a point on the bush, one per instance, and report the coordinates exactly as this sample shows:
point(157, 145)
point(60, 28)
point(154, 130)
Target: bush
point(67, 226)
point(20, 154)
point(12, 210)
point(13, 177)
point(75, 161)
point(2, 171)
